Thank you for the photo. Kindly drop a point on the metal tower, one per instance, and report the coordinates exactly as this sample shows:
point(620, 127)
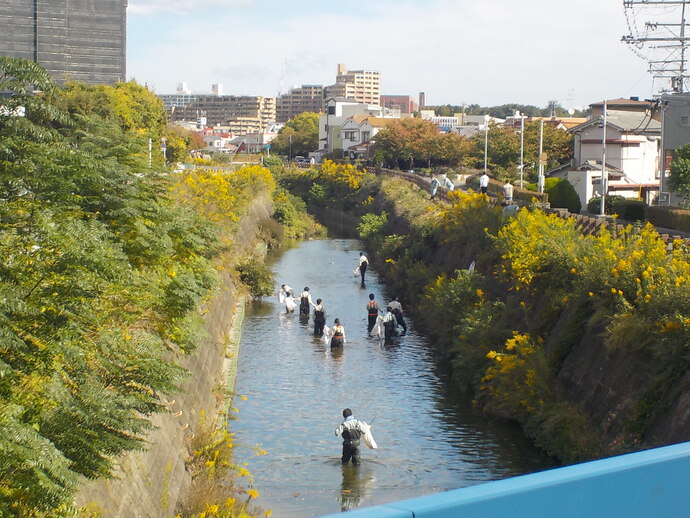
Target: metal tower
point(662, 43)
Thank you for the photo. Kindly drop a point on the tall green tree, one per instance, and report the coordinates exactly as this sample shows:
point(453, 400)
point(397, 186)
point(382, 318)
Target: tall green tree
point(299, 136)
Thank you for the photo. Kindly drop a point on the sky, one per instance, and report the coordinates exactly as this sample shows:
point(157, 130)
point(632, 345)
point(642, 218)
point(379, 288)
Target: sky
point(486, 52)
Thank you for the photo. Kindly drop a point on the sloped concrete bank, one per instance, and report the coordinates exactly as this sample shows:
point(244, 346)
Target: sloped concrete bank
point(151, 483)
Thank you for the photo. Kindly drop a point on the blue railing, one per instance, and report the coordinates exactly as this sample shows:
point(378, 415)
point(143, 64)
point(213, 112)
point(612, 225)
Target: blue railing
point(649, 484)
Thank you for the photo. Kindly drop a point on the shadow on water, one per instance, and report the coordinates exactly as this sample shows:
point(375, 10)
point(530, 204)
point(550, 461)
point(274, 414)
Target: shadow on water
point(430, 437)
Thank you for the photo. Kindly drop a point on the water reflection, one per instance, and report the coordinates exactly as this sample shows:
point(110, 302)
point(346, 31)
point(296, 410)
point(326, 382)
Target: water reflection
point(430, 437)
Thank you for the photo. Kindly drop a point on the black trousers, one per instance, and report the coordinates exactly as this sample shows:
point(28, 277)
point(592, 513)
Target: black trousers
point(363, 270)
point(319, 322)
point(350, 452)
point(372, 321)
point(400, 319)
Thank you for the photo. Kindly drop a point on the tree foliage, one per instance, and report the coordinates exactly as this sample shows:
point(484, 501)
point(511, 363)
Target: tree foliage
point(299, 136)
point(101, 275)
point(680, 171)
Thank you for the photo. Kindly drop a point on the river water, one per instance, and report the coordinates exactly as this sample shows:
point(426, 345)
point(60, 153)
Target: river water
point(430, 438)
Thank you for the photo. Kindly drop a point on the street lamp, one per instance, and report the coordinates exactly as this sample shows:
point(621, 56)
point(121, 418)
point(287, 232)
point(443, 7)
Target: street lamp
point(522, 145)
point(604, 174)
point(486, 139)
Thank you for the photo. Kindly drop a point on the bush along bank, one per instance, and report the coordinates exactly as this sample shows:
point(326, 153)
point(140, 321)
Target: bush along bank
point(108, 263)
point(580, 339)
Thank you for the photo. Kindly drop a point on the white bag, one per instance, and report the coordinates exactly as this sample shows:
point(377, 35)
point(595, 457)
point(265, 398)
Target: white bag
point(281, 297)
point(326, 336)
point(378, 327)
point(367, 437)
point(356, 272)
point(290, 304)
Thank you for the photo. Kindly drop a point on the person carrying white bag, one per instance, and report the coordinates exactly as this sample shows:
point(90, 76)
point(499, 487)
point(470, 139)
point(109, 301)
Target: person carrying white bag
point(352, 430)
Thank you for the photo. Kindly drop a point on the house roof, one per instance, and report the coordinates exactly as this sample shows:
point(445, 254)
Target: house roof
point(636, 122)
point(628, 103)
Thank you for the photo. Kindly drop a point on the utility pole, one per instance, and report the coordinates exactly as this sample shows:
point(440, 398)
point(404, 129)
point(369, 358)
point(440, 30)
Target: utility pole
point(663, 44)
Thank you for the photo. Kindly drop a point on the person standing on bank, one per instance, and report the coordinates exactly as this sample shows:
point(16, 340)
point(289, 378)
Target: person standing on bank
point(396, 307)
point(433, 187)
point(351, 430)
point(338, 338)
point(305, 302)
point(447, 183)
point(372, 313)
point(319, 318)
point(484, 183)
point(508, 192)
point(363, 265)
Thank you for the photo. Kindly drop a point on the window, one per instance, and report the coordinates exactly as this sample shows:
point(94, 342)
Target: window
point(350, 135)
point(366, 135)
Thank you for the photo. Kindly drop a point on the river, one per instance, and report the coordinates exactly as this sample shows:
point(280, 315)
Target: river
point(430, 438)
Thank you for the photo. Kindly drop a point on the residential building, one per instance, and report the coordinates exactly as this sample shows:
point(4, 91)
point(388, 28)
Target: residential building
point(364, 86)
point(358, 134)
point(242, 112)
point(404, 103)
point(631, 140)
point(74, 40)
point(337, 112)
point(300, 99)
point(675, 110)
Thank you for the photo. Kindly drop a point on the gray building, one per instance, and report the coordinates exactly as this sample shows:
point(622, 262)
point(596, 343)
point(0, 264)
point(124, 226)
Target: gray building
point(74, 40)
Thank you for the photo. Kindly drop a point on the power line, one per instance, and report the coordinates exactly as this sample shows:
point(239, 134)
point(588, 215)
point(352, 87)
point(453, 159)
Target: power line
point(672, 64)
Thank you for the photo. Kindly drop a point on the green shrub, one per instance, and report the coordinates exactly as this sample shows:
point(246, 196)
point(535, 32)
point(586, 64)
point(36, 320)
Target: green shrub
point(561, 194)
point(630, 210)
point(594, 204)
point(669, 217)
point(257, 276)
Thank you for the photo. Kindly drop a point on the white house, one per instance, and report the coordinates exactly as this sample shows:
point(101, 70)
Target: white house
point(632, 145)
point(358, 132)
point(338, 110)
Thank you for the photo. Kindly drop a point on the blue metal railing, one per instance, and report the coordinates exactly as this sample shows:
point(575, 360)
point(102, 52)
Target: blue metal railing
point(649, 484)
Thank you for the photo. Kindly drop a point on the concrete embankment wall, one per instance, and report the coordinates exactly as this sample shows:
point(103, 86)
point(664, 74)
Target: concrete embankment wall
point(151, 483)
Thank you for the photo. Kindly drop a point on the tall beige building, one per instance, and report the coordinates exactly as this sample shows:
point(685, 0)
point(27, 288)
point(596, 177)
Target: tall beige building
point(364, 86)
point(300, 99)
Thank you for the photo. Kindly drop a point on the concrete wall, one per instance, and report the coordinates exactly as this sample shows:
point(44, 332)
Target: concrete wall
point(152, 482)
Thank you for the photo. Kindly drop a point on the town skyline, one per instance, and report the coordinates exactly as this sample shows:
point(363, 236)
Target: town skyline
point(456, 52)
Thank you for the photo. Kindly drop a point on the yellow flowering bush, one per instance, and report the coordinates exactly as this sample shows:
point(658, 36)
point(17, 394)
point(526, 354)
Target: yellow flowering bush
point(517, 383)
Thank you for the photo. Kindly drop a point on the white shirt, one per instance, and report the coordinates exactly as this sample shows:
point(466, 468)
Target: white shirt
point(508, 190)
point(350, 423)
point(363, 259)
point(394, 304)
point(484, 180)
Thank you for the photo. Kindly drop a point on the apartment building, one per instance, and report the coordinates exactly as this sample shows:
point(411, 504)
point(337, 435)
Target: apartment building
point(74, 40)
point(404, 103)
point(364, 86)
point(300, 99)
point(250, 113)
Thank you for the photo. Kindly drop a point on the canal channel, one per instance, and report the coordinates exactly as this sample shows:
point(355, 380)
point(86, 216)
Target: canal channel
point(430, 437)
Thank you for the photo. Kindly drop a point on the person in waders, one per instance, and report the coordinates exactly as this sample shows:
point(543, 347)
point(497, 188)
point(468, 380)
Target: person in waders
point(396, 307)
point(305, 302)
point(363, 265)
point(372, 313)
point(319, 318)
point(389, 326)
point(338, 338)
point(351, 430)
